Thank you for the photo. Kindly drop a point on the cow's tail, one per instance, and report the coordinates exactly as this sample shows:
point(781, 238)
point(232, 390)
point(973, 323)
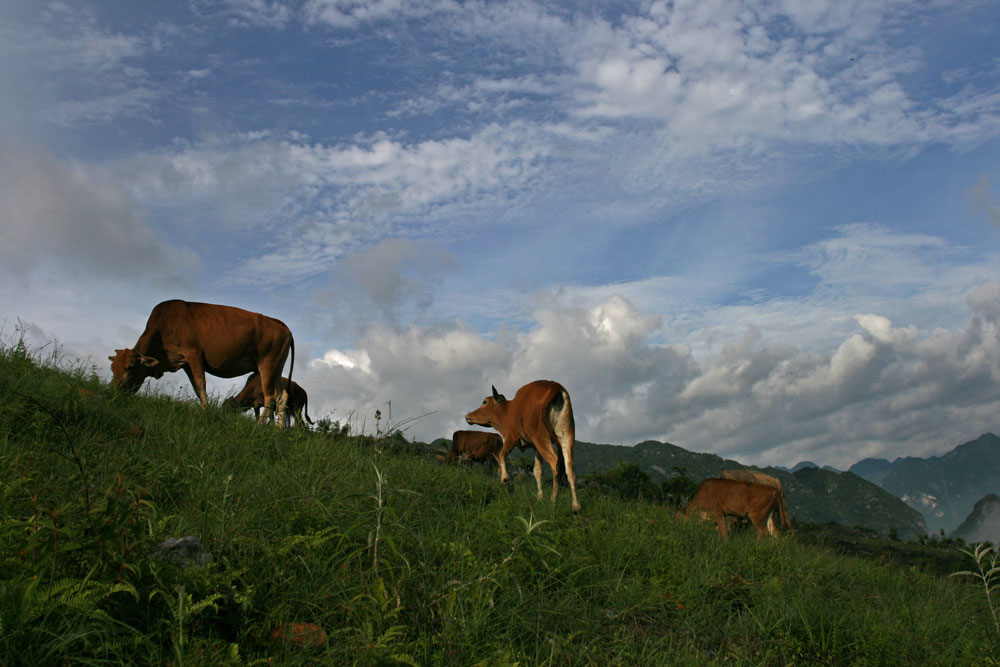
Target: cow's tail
point(292, 366)
point(565, 434)
point(285, 390)
point(305, 403)
point(562, 429)
point(783, 511)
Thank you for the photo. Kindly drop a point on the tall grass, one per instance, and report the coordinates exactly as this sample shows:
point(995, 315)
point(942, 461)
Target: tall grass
point(394, 557)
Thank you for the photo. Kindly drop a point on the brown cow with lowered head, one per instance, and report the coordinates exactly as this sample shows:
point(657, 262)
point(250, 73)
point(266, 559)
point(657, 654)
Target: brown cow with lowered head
point(252, 396)
point(206, 338)
point(539, 415)
point(479, 446)
point(718, 498)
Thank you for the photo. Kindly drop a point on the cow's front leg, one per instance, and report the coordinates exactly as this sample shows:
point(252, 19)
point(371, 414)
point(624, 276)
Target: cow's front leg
point(502, 459)
point(196, 374)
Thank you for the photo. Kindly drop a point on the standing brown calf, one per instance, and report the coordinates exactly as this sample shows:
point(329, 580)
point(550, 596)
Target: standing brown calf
point(539, 415)
point(478, 446)
point(718, 498)
point(252, 396)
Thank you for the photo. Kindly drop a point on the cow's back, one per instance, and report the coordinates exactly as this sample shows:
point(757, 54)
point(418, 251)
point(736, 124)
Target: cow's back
point(546, 402)
point(747, 475)
point(230, 339)
point(731, 496)
point(535, 397)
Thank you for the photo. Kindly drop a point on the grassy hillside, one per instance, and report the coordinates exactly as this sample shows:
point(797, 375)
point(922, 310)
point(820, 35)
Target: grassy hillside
point(393, 558)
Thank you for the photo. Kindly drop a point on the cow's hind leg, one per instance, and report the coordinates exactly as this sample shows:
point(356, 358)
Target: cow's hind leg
point(538, 474)
point(772, 529)
point(281, 401)
point(759, 522)
point(270, 387)
point(542, 440)
point(720, 523)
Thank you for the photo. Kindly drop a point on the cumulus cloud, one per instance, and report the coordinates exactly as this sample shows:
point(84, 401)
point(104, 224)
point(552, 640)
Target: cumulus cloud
point(384, 280)
point(884, 390)
point(58, 215)
point(723, 75)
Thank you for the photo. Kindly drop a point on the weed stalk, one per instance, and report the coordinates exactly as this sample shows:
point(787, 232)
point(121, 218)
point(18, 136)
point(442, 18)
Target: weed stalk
point(987, 571)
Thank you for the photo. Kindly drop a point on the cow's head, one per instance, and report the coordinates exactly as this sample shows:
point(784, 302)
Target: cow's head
point(238, 403)
point(129, 370)
point(488, 414)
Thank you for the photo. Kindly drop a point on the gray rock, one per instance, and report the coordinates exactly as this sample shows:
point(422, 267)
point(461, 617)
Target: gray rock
point(183, 551)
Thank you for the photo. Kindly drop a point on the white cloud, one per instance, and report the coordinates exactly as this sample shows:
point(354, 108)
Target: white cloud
point(722, 75)
point(59, 217)
point(372, 178)
point(267, 13)
point(772, 381)
point(67, 67)
point(344, 14)
point(883, 390)
point(326, 200)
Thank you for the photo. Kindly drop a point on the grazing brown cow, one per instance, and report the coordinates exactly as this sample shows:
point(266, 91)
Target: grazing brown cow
point(478, 446)
point(539, 414)
point(757, 477)
point(718, 498)
point(252, 396)
point(207, 338)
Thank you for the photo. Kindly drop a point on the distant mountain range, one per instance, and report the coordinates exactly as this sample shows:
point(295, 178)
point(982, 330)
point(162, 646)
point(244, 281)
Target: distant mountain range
point(983, 524)
point(812, 494)
point(807, 464)
point(944, 489)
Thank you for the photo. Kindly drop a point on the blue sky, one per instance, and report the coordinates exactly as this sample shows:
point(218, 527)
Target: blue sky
point(769, 230)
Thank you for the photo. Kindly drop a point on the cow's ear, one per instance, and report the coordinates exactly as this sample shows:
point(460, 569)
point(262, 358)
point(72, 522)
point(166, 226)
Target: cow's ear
point(112, 358)
point(149, 362)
